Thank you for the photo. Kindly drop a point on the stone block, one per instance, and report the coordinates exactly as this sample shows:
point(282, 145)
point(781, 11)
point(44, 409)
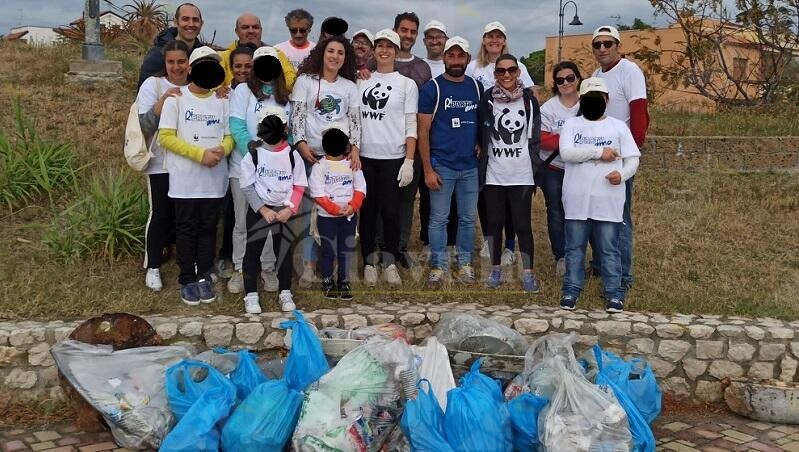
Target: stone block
point(725, 369)
point(740, 352)
point(167, 330)
point(641, 346)
point(572, 325)
point(249, 333)
point(676, 386)
point(378, 319)
point(39, 355)
point(612, 328)
point(643, 329)
point(761, 370)
point(770, 352)
point(708, 391)
point(780, 333)
point(673, 350)
point(274, 340)
point(528, 327)
point(191, 329)
point(9, 355)
point(730, 330)
point(788, 369)
point(709, 349)
point(694, 368)
point(217, 334)
point(354, 321)
point(754, 332)
point(669, 330)
point(661, 368)
point(21, 379)
point(412, 318)
point(701, 331)
point(329, 321)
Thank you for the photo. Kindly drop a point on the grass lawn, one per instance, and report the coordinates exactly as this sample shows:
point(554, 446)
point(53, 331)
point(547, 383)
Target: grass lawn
point(706, 242)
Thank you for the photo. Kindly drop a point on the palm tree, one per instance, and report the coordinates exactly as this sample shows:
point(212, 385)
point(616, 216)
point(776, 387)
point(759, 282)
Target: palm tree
point(145, 19)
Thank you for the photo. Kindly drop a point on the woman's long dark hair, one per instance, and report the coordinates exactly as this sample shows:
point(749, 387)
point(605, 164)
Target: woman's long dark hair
point(280, 90)
point(561, 66)
point(314, 63)
point(242, 49)
point(175, 45)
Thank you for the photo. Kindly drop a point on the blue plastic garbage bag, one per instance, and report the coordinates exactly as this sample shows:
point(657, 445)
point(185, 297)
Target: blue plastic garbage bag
point(423, 421)
point(306, 362)
point(524, 411)
point(635, 378)
point(476, 418)
point(187, 380)
point(643, 437)
point(210, 397)
point(265, 420)
point(247, 375)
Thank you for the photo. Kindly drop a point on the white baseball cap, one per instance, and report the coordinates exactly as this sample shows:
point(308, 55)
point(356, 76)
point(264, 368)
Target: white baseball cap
point(272, 110)
point(367, 34)
point(435, 25)
point(491, 26)
point(389, 35)
point(265, 51)
point(204, 52)
point(607, 30)
point(593, 85)
point(457, 41)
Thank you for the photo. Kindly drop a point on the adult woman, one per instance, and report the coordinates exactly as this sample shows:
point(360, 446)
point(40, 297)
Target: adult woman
point(324, 94)
point(150, 99)
point(554, 113)
point(389, 103)
point(493, 45)
point(265, 87)
point(241, 63)
point(511, 124)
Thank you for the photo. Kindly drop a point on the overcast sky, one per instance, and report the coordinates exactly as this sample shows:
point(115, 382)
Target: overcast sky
point(528, 22)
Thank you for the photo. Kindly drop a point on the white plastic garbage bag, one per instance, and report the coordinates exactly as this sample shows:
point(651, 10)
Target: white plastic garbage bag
point(435, 368)
point(538, 377)
point(478, 335)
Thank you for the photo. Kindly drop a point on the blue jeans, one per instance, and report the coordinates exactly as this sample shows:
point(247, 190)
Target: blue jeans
point(604, 236)
point(625, 237)
point(552, 186)
point(310, 249)
point(463, 184)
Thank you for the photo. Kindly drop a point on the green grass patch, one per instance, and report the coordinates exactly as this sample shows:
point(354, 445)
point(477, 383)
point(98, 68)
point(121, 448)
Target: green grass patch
point(775, 120)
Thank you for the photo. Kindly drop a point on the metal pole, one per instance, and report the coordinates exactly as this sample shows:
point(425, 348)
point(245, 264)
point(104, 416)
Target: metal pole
point(93, 46)
point(560, 29)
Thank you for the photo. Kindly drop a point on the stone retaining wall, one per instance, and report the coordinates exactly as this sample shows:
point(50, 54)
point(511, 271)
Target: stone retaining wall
point(691, 354)
point(738, 153)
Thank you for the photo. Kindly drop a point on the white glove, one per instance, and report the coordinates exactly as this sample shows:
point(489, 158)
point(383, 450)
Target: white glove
point(405, 175)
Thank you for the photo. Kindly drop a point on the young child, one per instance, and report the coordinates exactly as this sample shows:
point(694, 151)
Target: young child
point(194, 128)
point(339, 191)
point(599, 154)
point(273, 180)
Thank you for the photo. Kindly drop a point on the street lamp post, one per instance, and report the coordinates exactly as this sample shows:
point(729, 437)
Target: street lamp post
point(575, 21)
point(92, 45)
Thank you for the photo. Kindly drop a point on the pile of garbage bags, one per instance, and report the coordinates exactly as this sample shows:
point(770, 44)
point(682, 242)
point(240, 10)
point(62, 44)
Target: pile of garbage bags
point(384, 395)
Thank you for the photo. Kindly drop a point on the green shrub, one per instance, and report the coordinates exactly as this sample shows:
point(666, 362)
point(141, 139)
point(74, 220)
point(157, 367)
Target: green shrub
point(107, 221)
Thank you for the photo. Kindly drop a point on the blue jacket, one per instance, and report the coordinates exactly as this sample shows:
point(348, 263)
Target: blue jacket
point(153, 63)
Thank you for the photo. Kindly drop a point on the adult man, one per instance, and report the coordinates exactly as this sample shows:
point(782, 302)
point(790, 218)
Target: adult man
point(299, 22)
point(406, 25)
point(188, 23)
point(249, 31)
point(363, 46)
point(448, 133)
point(627, 92)
point(435, 35)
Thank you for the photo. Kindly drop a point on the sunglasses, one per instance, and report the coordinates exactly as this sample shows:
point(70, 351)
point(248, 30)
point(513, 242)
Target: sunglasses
point(607, 44)
point(300, 31)
point(568, 79)
point(511, 70)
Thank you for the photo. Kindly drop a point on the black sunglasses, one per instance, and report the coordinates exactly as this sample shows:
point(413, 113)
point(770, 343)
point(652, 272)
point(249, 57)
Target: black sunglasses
point(568, 79)
point(597, 44)
point(511, 70)
point(301, 31)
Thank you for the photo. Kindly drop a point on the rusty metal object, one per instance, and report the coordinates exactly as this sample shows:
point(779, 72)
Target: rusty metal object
point(764, 400)
point(121, 331)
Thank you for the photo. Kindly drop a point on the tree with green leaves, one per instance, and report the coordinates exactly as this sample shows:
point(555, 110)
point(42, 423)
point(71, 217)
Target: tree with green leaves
point(536, 65)
point(638, 24)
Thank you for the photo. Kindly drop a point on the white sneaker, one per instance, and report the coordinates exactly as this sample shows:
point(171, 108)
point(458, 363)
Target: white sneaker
point(560, 267)
point(153, 279)
point(308, 277)
point(251, 303)
point(286, 300)
point(370, 275)
point(391, 275)
point(484, 252)
point(508, 258)
point(236, 283)
point(271, 283)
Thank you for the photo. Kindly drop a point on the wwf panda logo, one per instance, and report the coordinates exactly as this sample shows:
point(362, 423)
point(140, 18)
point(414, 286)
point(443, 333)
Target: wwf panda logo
point(376, 97)
point(509, 126)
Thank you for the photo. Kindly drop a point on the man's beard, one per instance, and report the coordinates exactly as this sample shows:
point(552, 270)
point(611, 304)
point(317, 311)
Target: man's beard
point(455, 71)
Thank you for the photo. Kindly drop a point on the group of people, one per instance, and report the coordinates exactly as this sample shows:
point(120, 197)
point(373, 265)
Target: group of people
point(321, 144)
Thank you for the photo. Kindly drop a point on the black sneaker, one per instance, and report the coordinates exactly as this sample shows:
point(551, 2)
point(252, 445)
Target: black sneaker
point(615, 306)
point(568, 302)
point(206, 289)
point(344, 291)
point(190, 294)
point(329, 289)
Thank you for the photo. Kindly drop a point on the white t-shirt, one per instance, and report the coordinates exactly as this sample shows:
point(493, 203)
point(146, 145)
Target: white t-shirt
point(335, 180)
point(295, 55)
point(201, 121)
point(150, 91)
point(586, 191)
point(274, 178)
point(385, 100)
point(327, 104)
point(436, 66)
point(553, 115)
point(509, 158)
point(485, 74)
point(244, 105)
point(626, 83)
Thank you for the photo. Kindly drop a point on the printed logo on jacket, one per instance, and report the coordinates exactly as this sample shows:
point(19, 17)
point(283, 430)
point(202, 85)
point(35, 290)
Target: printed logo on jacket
point(508, 130)
point(376, 98)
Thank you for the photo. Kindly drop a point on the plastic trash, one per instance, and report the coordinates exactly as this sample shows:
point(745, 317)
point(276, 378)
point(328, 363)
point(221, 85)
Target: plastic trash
point(389, 331)
point(435, 367)
point(524, 411)
point(247, 375)
point(306, 362)
point(476, 334)
point(202, 399)
point(581, 417)
point(125, 386)
point(396, 442)
point(273, 369)
point(643, 437)
point(538, 377)
point(423, 421)
point(476, 418)
point(221, 358)
point(357, 404)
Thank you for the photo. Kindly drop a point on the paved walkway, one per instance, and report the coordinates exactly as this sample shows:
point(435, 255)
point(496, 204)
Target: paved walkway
point(707, 432)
